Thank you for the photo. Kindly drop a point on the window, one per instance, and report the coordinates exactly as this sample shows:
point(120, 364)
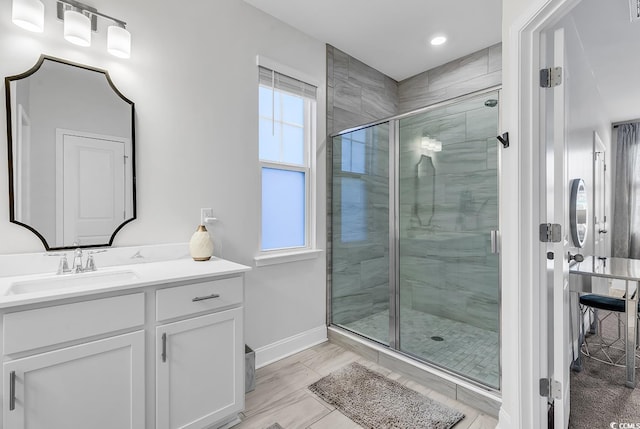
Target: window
point(286, 141)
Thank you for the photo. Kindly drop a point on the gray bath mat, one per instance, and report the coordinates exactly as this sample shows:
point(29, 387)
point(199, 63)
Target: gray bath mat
point(376, 402)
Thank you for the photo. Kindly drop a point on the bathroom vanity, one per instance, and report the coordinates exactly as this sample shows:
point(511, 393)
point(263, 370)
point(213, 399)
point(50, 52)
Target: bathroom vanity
point(152, 345)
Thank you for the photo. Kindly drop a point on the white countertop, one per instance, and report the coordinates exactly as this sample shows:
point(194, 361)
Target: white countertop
point(141, 275)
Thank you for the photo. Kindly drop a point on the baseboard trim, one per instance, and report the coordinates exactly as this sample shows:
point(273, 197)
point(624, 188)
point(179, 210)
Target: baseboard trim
point(289, 346)
point(504, 421)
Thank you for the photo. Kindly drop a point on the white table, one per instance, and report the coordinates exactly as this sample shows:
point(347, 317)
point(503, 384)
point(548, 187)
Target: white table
point(581, 279)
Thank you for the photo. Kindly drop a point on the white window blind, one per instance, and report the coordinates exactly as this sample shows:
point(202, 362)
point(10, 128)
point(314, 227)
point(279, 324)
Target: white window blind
point(287, 117)
point(281, 82)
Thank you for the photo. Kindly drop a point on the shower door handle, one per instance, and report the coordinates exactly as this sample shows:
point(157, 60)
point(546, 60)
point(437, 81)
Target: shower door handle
point(495, 241)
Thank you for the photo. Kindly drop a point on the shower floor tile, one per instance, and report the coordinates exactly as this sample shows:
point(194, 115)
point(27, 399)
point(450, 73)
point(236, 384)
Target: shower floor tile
point(468, 350)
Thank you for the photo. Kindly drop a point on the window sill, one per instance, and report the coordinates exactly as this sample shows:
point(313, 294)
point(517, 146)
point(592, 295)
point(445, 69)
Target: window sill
point(284, 257)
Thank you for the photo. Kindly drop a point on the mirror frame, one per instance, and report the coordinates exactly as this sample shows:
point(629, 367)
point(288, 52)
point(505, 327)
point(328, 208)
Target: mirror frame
point(12, 209)
point(577, 187)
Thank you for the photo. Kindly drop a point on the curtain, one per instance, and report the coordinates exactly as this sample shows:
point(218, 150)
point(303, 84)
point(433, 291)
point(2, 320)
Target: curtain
point(626, 193)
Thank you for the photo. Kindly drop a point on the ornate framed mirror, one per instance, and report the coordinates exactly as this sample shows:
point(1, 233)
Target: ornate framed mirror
point(71, 154)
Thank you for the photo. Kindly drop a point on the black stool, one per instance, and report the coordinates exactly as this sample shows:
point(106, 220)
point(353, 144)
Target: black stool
point(611, 351)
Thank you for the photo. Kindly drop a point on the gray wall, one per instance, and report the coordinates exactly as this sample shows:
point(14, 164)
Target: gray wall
point(356, 93)
point(474, 72)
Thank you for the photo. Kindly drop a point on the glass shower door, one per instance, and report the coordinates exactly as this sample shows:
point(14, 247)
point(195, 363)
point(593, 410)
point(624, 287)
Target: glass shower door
point(360, 232)
point(448, 214)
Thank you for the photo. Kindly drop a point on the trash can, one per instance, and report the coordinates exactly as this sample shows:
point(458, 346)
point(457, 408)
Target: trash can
point(249, 369)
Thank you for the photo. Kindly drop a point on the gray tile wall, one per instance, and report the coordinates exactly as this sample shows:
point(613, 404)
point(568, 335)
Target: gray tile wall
point(356, 93)
point(480, 70)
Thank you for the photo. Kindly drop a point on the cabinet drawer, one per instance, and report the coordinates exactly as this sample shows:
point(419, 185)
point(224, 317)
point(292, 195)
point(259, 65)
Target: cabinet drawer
point(194, 298)
point(31, 329)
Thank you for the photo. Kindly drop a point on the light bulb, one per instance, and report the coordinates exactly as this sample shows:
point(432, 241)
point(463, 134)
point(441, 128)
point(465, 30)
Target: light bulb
point(118, 41)
point(28, 14)
point(77, 28)
point(439, 40)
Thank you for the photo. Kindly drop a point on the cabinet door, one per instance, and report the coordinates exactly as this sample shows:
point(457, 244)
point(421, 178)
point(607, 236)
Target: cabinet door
point(200, 370)
point(98, 385)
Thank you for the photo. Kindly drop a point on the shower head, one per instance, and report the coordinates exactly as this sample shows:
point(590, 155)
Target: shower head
point(491, 102)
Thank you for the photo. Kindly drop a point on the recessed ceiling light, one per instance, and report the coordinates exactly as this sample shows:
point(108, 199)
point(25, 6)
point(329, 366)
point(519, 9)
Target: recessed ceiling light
point(438, 40)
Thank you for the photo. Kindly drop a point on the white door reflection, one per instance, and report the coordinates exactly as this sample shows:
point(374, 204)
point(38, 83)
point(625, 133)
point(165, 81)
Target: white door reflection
point(91, 186)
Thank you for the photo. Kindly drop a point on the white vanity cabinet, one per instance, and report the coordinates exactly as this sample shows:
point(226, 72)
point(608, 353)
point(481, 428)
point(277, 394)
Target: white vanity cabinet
point(98, 384)
point(164, 355)
point(199, 360)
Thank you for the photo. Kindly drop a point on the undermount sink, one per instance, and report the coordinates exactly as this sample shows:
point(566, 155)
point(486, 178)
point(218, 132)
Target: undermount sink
point(67, 281)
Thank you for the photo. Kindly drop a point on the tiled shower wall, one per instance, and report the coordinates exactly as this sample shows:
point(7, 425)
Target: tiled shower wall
point(358, 94)
point(474, 72)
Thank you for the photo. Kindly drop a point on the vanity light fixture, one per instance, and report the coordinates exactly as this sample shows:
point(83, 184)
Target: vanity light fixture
point(28, 14)
point(118, 38)
point(79, 21)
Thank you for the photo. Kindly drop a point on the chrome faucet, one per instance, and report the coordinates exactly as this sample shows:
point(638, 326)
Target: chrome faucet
point(90, 265)
point(76, 266)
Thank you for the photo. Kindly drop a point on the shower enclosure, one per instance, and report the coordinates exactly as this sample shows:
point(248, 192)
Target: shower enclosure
point(414, 256)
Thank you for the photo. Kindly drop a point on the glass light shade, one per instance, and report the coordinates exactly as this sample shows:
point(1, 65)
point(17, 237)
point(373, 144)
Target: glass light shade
point(28, 14)
point(77, 28)
point(118, 42)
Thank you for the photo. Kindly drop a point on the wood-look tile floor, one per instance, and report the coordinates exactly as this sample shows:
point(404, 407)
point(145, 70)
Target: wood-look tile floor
point(281, 393)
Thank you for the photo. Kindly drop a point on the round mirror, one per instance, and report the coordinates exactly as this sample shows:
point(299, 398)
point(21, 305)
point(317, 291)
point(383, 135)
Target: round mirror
point(578, 212)
point(71, 154)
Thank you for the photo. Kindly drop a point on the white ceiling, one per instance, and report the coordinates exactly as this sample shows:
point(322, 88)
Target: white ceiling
point(393, 36)
point(612, 44)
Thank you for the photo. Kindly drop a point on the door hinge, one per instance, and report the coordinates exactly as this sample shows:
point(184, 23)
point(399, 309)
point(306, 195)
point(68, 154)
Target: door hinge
point(550, 232)
point(551, 389)
point(550, 77)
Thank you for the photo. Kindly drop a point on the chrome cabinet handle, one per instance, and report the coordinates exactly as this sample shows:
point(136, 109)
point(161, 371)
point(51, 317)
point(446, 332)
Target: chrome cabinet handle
point(202, 298)
point(12, 390)
point(164, 347)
